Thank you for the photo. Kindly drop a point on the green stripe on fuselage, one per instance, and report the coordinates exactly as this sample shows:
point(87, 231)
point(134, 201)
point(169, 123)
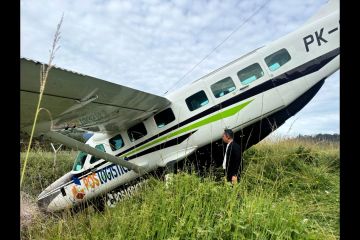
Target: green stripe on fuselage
point(224, 114)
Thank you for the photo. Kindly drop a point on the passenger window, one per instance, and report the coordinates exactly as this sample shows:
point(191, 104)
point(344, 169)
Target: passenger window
point(98, 147)
point(136, 132)
point(116, 142)
point(164, 117)
point(276, 60)
point(197, 100)
point(79, 161)
point(223, 87)
point(250, 73)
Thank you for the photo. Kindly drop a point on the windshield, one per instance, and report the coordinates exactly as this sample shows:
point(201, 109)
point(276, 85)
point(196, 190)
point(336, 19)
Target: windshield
point(79, 161)
point(98, 147)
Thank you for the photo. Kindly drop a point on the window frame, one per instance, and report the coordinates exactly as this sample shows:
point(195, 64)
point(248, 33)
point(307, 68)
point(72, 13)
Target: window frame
point(129, 136)
point(93, 157)
point(111, 145)
point(188, 103)
point(248, 66)
point(234, 86)
point(83, 162)
point(277, 52)
point(172, 112)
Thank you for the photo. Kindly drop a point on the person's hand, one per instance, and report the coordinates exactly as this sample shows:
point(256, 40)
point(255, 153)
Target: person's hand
point(234, 179)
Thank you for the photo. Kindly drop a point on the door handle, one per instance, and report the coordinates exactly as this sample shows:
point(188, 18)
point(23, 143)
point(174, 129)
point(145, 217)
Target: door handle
point(244, 87)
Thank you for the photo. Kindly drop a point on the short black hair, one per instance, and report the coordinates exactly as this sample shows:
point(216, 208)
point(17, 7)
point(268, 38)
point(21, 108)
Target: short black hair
point(229, 133)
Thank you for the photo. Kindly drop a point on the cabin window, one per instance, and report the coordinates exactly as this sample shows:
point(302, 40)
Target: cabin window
point(137, 131)
point(277, 59)
point(116, 142)
point(250, 73)
point(98, 147)
point(197, 100)
point(164, 117)
point(79, 161)
point(223, 87)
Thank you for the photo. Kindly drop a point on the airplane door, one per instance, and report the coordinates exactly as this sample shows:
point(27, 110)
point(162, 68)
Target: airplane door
point(272, 99)
point(256, 84)
point(251, 80)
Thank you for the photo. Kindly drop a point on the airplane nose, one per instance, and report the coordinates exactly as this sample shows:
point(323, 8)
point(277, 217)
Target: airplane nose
point(44, 201)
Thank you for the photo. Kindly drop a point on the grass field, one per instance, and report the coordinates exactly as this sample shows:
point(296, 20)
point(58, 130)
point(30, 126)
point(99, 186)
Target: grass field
point(288, 190)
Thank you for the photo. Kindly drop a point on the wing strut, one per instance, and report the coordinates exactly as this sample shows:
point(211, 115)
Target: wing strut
point(70, 142)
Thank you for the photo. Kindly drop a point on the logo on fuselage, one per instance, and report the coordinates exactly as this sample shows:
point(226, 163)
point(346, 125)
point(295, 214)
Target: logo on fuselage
point(90, 181)
point(110, 172)
point(95, 179)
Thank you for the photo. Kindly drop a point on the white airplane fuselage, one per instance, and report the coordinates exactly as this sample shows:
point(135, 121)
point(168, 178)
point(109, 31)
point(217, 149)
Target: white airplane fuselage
point(253, 109)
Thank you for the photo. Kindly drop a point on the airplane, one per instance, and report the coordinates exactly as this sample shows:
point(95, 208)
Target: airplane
point(136, 132)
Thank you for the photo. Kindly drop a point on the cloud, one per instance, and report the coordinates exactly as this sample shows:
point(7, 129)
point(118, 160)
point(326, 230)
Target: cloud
point(150, 45)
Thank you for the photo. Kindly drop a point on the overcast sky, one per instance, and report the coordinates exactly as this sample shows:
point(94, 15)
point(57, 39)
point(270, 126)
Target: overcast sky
point(150, 45)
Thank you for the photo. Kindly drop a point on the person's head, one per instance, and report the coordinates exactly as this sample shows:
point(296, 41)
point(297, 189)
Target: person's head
point(228, 135)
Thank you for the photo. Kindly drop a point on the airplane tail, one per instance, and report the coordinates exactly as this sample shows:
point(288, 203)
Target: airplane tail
point(330, 7)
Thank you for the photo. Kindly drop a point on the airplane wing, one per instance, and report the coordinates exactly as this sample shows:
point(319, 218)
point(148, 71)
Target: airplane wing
point(73, 100)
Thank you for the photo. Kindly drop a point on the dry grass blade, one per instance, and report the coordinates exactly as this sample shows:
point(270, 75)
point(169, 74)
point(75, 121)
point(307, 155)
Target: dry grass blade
point(43, 77)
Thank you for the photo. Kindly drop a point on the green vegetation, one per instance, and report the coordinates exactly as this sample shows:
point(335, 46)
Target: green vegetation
point(41, 172)
point(289, 190)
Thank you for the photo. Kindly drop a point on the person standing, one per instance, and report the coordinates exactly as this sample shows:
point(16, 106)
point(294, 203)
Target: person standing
point(232, 163)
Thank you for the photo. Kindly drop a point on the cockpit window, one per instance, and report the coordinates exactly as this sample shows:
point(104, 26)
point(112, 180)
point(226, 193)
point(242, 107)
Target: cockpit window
point(116, 142)
point(98, 147)
point(79, 161)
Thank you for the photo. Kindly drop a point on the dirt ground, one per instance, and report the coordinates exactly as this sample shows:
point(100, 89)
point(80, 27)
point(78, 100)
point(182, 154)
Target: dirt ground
point(28, 209)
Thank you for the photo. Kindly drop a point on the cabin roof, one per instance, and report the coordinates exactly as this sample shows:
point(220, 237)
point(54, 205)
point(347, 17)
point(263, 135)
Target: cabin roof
point(228, 64)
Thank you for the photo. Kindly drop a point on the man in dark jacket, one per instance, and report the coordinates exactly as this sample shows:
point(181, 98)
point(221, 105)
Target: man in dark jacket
point(232, 160)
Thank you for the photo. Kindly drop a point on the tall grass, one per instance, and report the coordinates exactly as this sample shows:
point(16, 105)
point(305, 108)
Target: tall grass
point(288, 190)
point(40, 169)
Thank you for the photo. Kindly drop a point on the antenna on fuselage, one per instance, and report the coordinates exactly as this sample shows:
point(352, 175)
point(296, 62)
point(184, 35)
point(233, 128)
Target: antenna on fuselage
point(222, 42)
